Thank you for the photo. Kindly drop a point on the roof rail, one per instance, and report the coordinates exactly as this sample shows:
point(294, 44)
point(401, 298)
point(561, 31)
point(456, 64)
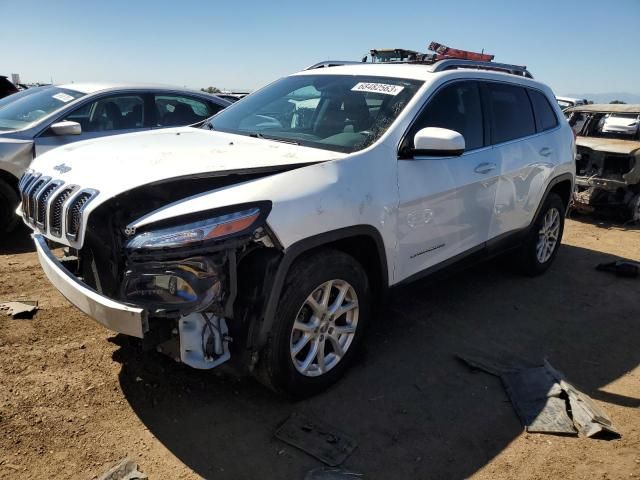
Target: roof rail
point(453, 63)
point(331, 63)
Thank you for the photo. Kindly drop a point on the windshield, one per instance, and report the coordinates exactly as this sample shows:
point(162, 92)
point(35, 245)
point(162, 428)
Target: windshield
point(345, 113)
point(22, 93)
point(29, 108)
point(624, 126)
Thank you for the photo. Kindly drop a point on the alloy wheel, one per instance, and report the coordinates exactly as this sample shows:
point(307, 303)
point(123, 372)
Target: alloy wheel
point(324, 328)
point(548, 235)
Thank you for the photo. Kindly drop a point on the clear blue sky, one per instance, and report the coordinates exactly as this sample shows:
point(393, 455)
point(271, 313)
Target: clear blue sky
point(574, 46)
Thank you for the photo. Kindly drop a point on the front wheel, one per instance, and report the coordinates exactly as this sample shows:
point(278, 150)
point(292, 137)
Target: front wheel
point(319, 324)
point(541, 245)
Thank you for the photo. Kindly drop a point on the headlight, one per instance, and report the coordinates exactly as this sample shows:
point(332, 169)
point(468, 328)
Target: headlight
point(187, 285)
point(190, 233)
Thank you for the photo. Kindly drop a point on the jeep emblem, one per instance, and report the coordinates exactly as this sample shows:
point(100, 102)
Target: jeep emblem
point(62, 168)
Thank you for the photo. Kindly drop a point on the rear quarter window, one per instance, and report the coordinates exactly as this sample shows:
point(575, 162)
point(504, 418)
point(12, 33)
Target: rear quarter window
point(545, 116)
point(511, 113)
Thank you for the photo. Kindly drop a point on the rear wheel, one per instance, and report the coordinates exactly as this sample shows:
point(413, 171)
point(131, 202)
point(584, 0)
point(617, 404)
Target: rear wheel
point(319, 324)
point(9, 200)
point(541, 245)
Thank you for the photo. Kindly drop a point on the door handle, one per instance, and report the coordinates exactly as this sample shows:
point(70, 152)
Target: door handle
point(546, 151)
point(485, 167)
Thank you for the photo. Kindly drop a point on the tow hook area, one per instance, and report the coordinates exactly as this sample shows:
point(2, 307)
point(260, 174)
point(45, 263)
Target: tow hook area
point(204, 340)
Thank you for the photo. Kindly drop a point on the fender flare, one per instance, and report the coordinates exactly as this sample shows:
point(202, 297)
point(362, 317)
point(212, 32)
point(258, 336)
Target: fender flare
point(552, 183)
point(292, 253)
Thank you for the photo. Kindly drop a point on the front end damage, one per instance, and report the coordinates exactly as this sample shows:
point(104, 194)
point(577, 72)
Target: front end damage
point(174, 284)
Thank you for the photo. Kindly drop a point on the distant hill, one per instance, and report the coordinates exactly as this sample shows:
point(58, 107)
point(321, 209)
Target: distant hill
point(606, 97)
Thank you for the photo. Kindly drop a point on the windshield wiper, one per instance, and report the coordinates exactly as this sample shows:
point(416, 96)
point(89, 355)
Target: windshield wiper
point(275, 139)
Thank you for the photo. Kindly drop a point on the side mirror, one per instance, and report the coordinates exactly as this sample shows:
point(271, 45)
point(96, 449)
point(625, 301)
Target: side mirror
point(438, 142)
point(66, 127)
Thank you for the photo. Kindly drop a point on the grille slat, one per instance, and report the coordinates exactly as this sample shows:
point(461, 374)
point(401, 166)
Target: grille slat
point(55, 212)
point(74, 213)
point(41, 203)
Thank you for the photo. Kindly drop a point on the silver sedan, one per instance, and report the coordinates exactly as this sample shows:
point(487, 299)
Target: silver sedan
point(43, 118)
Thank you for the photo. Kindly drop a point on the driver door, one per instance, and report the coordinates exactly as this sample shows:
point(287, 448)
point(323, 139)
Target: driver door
point(112, 115)
point(446, 203)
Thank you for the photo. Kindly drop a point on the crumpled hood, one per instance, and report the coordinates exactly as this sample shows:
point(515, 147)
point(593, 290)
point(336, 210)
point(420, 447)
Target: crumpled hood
point(119, 163)
point(612, 145)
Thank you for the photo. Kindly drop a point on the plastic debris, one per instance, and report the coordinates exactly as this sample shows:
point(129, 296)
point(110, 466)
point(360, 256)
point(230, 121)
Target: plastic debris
point(125, 469)
point(324, 473)
point(21, 309)
point(317, 439)
point(544, 400)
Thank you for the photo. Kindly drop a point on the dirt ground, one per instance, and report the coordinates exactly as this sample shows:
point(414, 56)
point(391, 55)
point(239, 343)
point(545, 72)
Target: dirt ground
point(75, 398)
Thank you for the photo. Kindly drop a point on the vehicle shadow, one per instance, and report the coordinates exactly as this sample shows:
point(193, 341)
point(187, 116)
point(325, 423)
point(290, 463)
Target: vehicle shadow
point(414, 409)
point(17, 241)
point(604, 221)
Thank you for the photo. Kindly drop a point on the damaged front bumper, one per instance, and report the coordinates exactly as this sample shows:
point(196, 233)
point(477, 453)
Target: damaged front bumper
point(113, 315)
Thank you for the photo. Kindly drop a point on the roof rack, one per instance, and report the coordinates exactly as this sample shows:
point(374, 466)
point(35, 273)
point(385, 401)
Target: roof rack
point(445, 58)
point(453, 63)
point(331, 63)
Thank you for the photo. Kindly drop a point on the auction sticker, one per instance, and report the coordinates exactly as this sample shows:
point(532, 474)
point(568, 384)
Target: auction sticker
point(384, 88)
point(63, 97)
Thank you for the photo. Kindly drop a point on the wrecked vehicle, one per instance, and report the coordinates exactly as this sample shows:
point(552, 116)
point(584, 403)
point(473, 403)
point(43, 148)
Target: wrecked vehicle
point(608, 158)
point(267, 235)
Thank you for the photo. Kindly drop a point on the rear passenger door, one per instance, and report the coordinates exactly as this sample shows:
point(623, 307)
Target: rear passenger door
point(523, 147)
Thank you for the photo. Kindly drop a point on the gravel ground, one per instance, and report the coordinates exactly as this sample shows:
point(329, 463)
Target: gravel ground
point(75, 398)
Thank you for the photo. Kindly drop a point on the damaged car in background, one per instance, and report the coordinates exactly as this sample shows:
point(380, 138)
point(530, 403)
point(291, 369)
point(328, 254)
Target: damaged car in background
point(265, 236)
point(607, 159)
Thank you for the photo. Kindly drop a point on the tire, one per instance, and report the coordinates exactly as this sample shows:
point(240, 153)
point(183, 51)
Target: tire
point(9, 201)
point(283, 370)
point(528, 257)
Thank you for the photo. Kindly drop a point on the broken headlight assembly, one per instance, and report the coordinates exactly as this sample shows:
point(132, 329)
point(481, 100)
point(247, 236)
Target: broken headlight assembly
point(186, 285)
point(184, 267)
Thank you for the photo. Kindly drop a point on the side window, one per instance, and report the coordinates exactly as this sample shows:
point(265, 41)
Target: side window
point(179, 110)
point(545, 116)
point(456, 107)
point(511, 113)
point(118, 112)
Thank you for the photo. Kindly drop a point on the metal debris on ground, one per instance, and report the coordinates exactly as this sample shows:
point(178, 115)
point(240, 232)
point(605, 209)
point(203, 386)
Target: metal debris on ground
point(125, 469)
point(620, 268)
point(544, 400)
point(324, 473)
point(317, 439)
point(21, 309)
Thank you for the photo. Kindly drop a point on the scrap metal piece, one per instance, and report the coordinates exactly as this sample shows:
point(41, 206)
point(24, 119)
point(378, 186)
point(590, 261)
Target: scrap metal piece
point(125, 469)
point(541, 397)
point(317, 439)
point(21, 309)
point(535, 395)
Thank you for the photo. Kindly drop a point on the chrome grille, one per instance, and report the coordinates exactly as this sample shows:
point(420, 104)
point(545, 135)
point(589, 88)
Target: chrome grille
point(46, 202)
point(74, 213)
point(33, 193)
point(55, 211)
point(41, 202)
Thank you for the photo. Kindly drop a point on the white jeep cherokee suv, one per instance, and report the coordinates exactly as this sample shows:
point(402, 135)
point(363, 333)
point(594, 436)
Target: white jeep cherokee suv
point(267, 235)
